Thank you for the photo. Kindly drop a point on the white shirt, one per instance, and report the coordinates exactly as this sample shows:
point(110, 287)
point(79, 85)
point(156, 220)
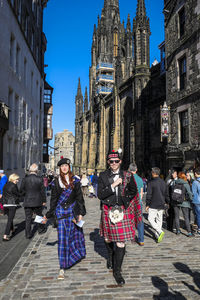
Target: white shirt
point(115, 178)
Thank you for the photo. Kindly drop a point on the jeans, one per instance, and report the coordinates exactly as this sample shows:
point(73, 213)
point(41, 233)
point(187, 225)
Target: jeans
point(10, 212)
point(140, 229)
point(197, 212)
point(185, 211)
point(95, 186)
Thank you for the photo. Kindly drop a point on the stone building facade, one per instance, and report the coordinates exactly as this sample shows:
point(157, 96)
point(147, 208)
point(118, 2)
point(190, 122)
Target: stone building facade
point(22, 79)
point(116, 115)
point(182, 32)
point(64, 146)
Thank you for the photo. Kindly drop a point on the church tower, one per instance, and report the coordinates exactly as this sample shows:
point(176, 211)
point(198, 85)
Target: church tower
point(141, 34)
point(78, 128)
point(141, 77)
point(111, 51)
point(118, 73)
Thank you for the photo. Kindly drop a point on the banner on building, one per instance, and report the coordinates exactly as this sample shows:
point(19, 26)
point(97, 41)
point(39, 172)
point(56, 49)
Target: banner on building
point(165, 121)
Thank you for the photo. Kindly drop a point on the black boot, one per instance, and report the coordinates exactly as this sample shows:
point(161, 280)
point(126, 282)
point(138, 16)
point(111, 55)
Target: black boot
point(118, 259)
point(109, 247)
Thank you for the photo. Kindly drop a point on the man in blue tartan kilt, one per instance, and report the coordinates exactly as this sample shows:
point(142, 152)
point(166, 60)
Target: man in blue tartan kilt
point(67, 204)
point(121, 212)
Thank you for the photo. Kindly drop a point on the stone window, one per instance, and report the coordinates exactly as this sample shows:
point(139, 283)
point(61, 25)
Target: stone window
point(32, 83)
point(10, 104)
point(47, 96)
point(184, 126)
point(182, 22)
point(16, 108)
point(32, 40)
point(25, 71)
point(19, 10)
point(115, 43)
point(24, 116)
point(26, 27)
point(12, 51)
point(23, 155)
point(49, 121)
point(17, 59)
point(182, 72)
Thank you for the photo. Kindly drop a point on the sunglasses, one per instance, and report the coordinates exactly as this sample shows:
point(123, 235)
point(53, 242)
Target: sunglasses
point(114, 161)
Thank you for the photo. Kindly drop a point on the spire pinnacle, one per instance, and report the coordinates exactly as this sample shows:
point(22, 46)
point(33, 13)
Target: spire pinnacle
point(128, 26)
point(86, 101)
point(79, 92)
point(141, 9)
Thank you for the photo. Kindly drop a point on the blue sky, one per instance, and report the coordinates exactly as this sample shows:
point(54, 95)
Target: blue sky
point(68, 26)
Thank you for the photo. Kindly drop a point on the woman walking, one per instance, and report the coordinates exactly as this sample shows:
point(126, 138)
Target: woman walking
point(68, 204)
point(10, 200)
point(185, 205)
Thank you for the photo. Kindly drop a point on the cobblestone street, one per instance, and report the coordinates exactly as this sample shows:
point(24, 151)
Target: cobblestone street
point(169, 270)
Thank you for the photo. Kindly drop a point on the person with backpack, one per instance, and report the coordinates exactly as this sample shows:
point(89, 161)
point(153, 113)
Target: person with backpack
point(196, 197)
point(181, 197)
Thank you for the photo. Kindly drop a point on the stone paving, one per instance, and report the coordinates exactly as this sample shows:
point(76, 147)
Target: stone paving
point(169, 270)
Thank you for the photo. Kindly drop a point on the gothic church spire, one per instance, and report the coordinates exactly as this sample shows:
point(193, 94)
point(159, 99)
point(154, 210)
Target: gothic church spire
point(86, 101)
point(141, 9)
point(79, 101)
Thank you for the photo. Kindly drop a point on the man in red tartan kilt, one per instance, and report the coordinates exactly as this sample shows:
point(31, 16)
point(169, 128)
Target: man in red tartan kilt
point(121, 211)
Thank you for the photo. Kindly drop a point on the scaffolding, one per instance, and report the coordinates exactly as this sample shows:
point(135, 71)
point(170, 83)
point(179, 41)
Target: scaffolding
point(104, 79)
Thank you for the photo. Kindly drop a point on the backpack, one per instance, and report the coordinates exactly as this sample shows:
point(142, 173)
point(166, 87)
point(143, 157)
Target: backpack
point(178, 193)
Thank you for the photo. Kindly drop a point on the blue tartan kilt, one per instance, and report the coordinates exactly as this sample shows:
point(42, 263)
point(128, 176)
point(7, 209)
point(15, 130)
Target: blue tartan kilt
point(71, 241)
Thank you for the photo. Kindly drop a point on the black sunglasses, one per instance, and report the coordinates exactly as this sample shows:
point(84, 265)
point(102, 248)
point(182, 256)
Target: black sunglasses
point(114, 161)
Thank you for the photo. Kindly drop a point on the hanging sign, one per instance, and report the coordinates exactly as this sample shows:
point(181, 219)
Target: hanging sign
point(165, 119)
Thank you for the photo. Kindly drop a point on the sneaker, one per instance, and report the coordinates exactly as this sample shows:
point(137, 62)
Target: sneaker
point(141, 243)
point(189, 234)
point(61, 275)
point(178, 232)
point(161, 236)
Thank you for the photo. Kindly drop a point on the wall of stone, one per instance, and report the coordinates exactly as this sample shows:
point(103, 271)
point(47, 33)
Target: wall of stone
point(21, 88)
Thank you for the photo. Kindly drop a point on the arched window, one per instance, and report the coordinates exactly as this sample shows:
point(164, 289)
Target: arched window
point(115, 42)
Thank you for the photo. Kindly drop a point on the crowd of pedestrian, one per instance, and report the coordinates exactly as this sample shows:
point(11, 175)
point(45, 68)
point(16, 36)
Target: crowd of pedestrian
point(122, 202)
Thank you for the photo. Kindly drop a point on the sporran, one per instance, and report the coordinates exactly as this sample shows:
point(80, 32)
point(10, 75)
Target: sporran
point(116, 214)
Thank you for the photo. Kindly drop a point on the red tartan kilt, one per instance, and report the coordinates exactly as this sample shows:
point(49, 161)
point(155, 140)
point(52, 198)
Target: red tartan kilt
point(124, 230)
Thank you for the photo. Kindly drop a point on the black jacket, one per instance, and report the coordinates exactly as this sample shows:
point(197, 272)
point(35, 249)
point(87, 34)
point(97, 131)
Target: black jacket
point(157, 194)
point(32, 188)
point(11, 193)
point(76, 195)
point(108, 197)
